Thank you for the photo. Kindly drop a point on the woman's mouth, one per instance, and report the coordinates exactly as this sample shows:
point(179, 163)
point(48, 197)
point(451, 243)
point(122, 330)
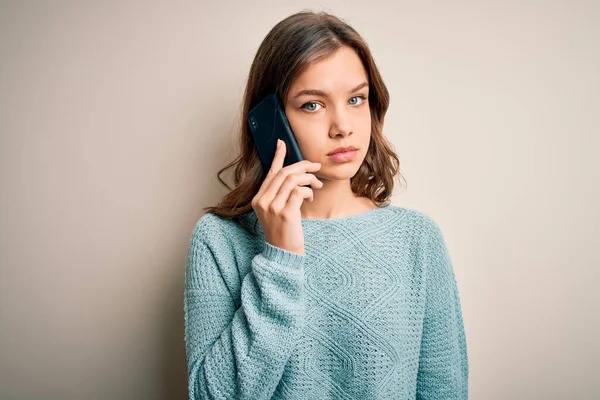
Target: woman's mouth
point(343, 156)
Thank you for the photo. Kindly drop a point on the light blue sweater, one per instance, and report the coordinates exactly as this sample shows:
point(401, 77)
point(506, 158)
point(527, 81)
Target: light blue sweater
point(370, 312)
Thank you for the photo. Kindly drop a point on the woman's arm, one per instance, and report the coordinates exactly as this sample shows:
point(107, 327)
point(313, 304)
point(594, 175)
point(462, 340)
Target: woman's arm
point(240, 354)
point(443, 365)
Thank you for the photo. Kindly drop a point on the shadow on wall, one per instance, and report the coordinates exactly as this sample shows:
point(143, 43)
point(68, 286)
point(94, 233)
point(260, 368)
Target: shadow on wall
point(209, 191)
point(174, 362)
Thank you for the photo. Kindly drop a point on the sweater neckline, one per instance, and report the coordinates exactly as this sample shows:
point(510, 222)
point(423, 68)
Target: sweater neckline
point(319, 222)
point(364, 214)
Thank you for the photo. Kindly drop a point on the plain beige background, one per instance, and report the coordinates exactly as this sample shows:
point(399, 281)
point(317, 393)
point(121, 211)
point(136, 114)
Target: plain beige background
point(115, 117)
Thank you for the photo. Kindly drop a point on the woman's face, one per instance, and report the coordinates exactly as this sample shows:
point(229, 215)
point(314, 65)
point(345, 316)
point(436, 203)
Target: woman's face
point(327, 107)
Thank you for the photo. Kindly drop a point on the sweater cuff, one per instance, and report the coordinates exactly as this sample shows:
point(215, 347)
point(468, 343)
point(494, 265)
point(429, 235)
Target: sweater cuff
point(282, 256)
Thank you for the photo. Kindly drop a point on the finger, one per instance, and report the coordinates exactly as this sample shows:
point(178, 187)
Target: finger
point(279, 157)
point(297, 181)
point(302, 179)
point(293, 182)
point(295, 196)
point(276, 165)
point(301, 166)
point(296, 199)
point(296, 169)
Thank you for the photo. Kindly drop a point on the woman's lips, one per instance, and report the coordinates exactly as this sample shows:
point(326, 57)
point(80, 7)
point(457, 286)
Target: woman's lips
point(344, 156)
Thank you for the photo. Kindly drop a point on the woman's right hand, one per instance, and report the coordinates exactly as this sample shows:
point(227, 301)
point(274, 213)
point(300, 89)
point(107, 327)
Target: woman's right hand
point(278, 201)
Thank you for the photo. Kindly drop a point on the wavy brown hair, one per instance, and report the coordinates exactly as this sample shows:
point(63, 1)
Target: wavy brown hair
point(287, 50)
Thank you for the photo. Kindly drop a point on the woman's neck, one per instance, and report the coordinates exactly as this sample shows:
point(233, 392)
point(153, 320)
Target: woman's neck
point(335, 200)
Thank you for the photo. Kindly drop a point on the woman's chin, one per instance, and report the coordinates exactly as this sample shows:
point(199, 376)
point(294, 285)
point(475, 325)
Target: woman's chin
point(338, 172)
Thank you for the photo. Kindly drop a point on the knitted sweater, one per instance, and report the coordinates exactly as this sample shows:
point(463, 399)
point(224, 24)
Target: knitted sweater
point(371, 311)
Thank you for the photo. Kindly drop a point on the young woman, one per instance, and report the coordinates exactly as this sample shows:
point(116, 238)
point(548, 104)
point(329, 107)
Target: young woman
point(304, 282)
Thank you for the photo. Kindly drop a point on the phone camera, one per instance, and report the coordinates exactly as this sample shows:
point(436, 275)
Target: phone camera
point(253, 124)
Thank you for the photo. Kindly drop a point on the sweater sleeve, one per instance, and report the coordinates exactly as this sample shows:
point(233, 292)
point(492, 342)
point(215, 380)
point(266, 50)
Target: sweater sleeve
point(240, 353)
point(443, 365)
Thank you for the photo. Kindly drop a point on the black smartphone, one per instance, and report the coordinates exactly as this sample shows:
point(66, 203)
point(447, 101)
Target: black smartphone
point(267, 123)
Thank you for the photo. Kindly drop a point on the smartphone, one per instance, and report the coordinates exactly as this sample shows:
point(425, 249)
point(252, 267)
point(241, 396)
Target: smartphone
point(267, 123)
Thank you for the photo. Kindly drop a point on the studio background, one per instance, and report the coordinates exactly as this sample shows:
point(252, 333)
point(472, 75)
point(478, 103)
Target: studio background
point(116, 116)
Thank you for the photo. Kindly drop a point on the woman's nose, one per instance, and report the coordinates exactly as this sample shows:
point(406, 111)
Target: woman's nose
point(340, 124)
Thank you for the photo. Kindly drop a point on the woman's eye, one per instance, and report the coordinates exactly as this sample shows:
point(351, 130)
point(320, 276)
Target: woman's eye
point(311, 106)
point(356, 100)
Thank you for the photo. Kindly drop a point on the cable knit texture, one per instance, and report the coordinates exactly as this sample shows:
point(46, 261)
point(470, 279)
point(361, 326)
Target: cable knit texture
point(371, 311)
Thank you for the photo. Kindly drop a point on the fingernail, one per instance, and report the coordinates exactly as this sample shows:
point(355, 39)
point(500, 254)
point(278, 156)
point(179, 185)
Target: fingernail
point(279, 141)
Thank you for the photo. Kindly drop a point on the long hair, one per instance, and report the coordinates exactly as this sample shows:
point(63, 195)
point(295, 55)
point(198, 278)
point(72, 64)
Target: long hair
point(287, 50)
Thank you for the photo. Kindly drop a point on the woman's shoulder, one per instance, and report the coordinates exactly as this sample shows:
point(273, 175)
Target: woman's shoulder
point(419, 222)
point(213, 229)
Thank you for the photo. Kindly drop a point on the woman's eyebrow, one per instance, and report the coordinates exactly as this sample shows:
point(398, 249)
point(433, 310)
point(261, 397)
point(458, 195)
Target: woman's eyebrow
point(316, 92)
